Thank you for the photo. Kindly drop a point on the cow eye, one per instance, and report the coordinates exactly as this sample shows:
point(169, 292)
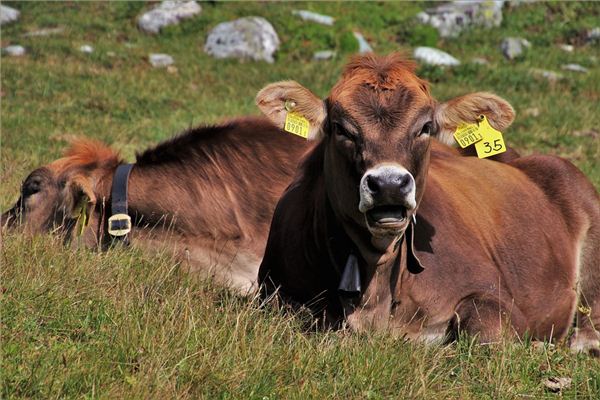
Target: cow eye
point(339, 130)
point(31, 187)
point(427, 129)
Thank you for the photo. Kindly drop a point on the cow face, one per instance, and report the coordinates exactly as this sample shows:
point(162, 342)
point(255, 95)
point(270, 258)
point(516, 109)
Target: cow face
point(377, 124)
point(60, 196)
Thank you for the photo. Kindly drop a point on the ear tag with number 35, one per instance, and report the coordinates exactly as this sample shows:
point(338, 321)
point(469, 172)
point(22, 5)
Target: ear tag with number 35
point(491, 143)
point(294, 122)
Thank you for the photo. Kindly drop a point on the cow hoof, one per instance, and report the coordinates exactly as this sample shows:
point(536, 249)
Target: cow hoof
point(587, 341)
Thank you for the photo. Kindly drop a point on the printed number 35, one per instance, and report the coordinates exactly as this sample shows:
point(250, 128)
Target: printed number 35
point(489, 148)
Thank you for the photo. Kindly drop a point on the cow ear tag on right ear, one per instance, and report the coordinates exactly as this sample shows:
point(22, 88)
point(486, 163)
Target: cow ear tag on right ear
point(294, 122)
point(488, 141)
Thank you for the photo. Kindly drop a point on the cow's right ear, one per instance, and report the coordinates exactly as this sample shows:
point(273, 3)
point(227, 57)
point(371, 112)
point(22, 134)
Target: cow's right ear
point(277, 99)
point(468, 108)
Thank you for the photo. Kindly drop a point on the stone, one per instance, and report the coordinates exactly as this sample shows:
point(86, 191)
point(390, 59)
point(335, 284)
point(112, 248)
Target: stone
point(87, 49)
point(550, 75)
point(167, 13)
point(158, 60)
point(363, 45)
point(556, 385)
point(8, 15)
point(44, 32)
point(244, 38)
point(14, 51)
point(314, 17)
point(450, 19)
point(479, 61)
point(513, 47)
point(593, 34)
point(566, 47)
point(431, 56)
point(575, 68)
point(323, 55)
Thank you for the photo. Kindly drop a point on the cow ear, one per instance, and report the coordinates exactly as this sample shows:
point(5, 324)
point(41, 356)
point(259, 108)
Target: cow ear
point(83, 199)
point(277, 99)
point(467, 109)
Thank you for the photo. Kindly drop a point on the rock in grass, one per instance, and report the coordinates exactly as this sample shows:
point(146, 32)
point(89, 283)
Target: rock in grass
point(593, 34)
point(556, 385)
point(8, 15)
point(14, 51)
point(363, 45)
point(87, 49)
point(244, 38)
point(575, 68)
point(566, 47)
point(450, 19)
point(323, 55)
point(550, 75)
point(160, 60)
point(314, 17)
point(431, 56)
point(167, 13)
point(512, 47)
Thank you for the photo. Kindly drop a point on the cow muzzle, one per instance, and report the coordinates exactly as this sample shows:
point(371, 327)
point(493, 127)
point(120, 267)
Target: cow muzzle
point(387, 199)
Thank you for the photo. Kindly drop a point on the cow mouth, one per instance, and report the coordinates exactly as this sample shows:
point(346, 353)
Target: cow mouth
point(388, 217)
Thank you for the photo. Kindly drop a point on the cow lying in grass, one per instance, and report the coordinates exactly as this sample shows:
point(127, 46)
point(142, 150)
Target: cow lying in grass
point(385, 228)
point(208, 194)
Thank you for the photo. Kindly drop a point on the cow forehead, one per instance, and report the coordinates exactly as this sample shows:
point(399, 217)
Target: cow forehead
point(381, 90)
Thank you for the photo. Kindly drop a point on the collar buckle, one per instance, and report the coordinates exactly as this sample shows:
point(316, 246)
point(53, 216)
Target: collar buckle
point(119, 225)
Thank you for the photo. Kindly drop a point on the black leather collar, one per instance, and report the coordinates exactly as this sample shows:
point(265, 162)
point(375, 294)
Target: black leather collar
point(119, 223)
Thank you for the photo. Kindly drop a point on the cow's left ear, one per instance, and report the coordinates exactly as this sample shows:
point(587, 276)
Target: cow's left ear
point(277, 99)
point(467, 109)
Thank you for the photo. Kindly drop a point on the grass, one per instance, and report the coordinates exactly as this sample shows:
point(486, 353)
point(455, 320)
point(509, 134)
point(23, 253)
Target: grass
point(127, 325)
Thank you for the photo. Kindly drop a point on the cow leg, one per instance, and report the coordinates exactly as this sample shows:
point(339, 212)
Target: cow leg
point(587, 316)
point(487, 318)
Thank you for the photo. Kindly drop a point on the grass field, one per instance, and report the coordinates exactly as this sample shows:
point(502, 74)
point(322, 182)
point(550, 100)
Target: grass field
point(123, 324)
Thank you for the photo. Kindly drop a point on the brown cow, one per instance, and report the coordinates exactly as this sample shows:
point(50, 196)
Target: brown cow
point(208, 195)
point(492, 243)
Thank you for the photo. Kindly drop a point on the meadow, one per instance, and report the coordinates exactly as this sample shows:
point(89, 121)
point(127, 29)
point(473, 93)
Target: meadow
point(124, 324)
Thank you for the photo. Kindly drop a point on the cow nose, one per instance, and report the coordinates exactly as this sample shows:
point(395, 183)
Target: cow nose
point(396, 181)
point(387, 185)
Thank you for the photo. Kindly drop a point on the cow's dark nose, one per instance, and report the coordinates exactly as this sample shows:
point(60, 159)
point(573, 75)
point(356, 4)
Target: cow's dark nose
point(390, 183)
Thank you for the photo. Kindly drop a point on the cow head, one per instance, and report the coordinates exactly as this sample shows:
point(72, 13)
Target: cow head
point(61, 196)
point(377, 125)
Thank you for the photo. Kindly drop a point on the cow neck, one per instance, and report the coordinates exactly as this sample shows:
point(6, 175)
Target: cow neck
point(379, 270)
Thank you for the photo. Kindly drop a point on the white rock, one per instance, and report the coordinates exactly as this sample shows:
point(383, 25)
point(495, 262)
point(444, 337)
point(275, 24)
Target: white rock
point(512, 47)
point(363, 45)
point(44, 32)
point(594, 34)
point(314, 17)
point(323, 55)
point(550, 75)
point(566, 47)
point(244, 38)
point(167, 13)
point(431, 56)
point(160, 60)
point(86, 48)
point(8, 15)
point(14, 50)
point(575, 68)
point(450, 19)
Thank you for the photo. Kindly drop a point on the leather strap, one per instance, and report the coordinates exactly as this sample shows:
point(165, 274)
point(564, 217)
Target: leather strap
point(119, 223)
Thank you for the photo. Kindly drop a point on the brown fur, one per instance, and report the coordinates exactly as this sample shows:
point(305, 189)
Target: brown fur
point(512, 243)
point(206, 195)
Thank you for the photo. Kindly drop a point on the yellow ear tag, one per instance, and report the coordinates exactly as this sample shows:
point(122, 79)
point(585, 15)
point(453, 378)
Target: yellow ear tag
point(467, 134)
point(82, 217)
point(492, 142)
point(294, 122)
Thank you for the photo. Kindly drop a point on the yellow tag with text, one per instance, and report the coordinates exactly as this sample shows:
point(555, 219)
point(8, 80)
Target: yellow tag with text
point(296, 124)
point(492, 142)
point(467, 134)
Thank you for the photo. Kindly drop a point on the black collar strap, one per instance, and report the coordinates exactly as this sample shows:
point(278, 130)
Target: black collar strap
point(119, 223)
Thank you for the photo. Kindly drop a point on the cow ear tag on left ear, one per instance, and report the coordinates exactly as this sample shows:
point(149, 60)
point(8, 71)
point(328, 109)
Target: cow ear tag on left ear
point(492, 142)
point(82, 216)
point(294, 122)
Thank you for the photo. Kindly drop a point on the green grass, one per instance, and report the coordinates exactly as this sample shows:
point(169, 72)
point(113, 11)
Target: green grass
point(124, 324)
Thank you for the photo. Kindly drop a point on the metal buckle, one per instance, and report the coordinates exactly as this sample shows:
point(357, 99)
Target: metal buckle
point(116, 227)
